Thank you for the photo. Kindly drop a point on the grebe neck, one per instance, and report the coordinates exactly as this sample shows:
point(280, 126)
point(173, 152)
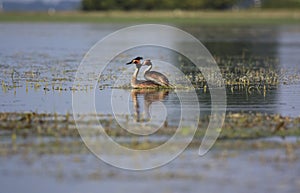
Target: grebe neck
point(134, 76)
point(148, 69)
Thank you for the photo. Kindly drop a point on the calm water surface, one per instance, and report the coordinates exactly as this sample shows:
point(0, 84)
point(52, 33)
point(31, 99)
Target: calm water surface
point(38, 63)
point(46, 52)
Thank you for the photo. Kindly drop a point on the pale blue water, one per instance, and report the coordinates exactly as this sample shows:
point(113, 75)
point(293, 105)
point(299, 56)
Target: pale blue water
point(45, 51)
point(55, 51)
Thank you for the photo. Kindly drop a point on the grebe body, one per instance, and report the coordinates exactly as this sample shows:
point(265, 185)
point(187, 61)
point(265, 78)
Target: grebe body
point(141, 84)
point(154, 76)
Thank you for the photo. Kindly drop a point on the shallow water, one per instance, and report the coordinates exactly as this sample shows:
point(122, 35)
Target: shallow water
point(283, 100)
point(246, 170)
point(45, 52)
point(38, 63)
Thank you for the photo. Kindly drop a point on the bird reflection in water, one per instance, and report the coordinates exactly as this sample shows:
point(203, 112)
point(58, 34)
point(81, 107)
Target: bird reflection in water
point(149, 96)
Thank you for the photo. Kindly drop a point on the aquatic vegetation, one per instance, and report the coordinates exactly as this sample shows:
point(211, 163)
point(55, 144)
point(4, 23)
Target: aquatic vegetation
point(239, 73)
point(33, 135)
point(236, 126)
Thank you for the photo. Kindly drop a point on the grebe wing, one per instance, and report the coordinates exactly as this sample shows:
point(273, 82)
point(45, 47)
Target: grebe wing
point(157, 77)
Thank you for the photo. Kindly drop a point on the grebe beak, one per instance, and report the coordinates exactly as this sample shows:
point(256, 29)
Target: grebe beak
point(129, 62)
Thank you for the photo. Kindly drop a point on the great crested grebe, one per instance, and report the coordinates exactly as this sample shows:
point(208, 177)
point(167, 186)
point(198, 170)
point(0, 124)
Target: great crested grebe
point(135, 83)
point(154, 76)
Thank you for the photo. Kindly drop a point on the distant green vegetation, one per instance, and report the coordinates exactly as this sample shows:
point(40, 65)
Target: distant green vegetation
point(282, 4)
point(167, 17)
point(89, 5)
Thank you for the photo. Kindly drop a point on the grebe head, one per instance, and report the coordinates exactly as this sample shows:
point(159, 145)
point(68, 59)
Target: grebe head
point(136, 60)
point(147, 63)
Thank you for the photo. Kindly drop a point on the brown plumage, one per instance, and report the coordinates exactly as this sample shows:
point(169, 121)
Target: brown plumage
point(154, 76)
point(153, 79)
point(143, 84)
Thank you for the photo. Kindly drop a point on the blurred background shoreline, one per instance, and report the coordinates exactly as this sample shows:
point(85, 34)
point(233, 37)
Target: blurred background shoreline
point(152, 11)
point(181, 17)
